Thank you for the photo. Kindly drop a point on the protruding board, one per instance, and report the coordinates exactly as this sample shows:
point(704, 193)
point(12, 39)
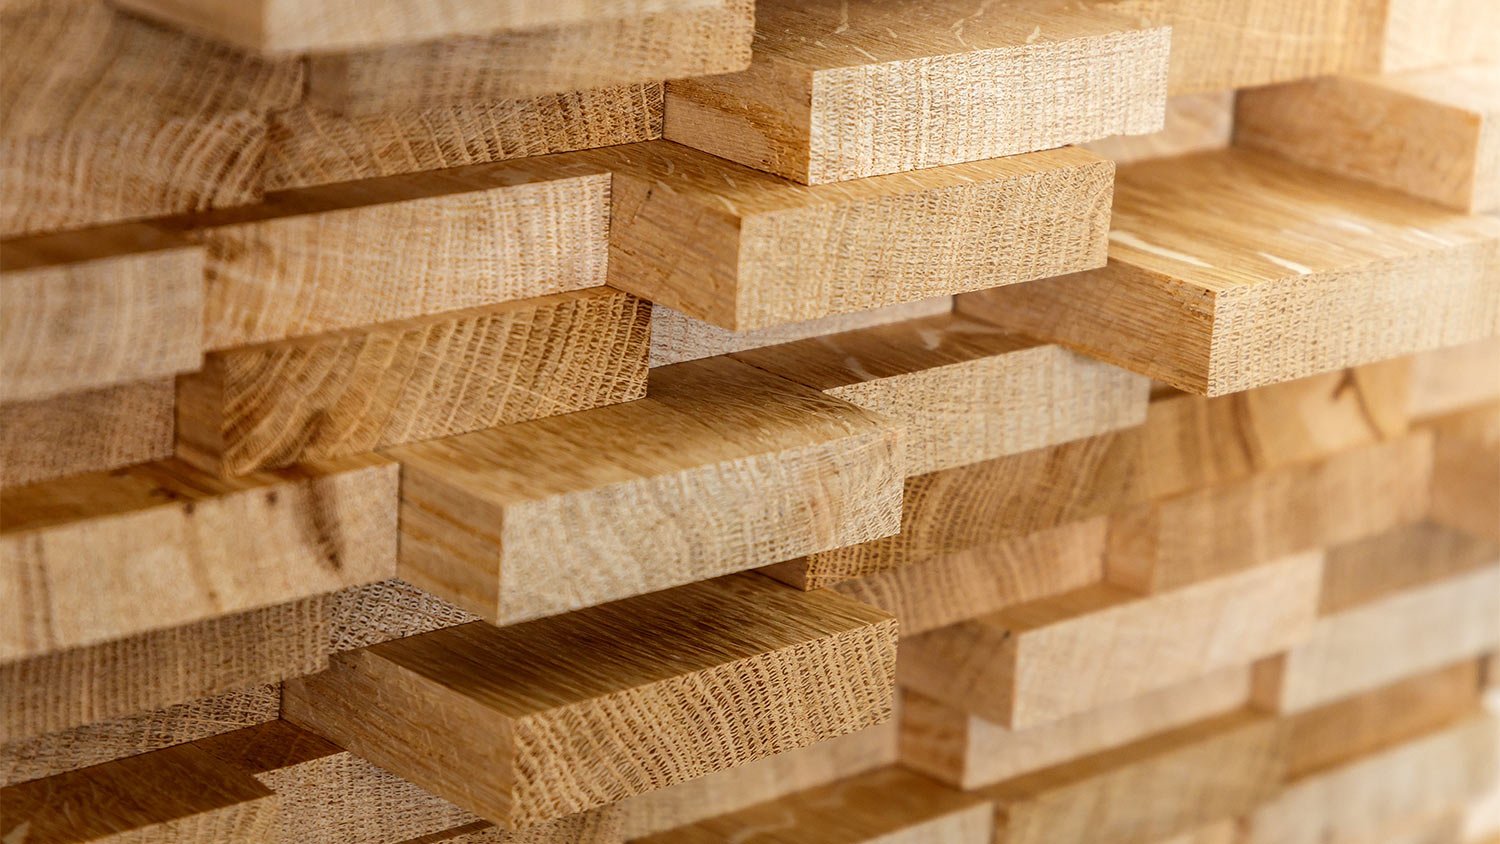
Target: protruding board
point(313, 146)
point(97, 308)
point(890, 806)
point(176, 794)
point(352, 391)
point(1229, 270)
point(1154, 788)
point(1434, 134)
point(746, 250)
point(1466, 471)
point(969, 752)
point(100, 556)
point(1427, 775)
point(266, 26)
point(978, 581)
point(489, 68)
point(840, 90)
point(680, 683)
point(151, 671)
point(391, 609)
point(1408, 557)
point(86, 431)
point(963, 391)
point(721, 468)
point(104, 117)
point(1194, 123)
point(1199, 535)
point(1439, 33)
point(1048, 659)
point(1449, 380)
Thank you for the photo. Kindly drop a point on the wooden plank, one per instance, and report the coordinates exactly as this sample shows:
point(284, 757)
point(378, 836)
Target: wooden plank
point(97, 308)
point(352, 391)
point(636, 676)
point(390, 609)
point(150, 671)
point(746, 250)
point(1448, 380)
point(488, 68)
point(599, 826)
point(87, 431)
point(1439, 33)
point(101, 556)
point(890, 806)
point(1434, 134)
point(1466, 471)
point(1411, 556)
point(1422, 776)
point(1199, 535)
point(176, 794)
point(721, 468)
point(105, 118)
point(1212, 255)
point(1051, 658)
point(970, 752)
point(1219, 832)
point(268, 27)
point(840, 91)
point(1194, 123)
point(978, 581)
point(1160, 786)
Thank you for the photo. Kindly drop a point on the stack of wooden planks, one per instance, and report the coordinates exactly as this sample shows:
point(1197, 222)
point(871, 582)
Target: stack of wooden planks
point(823, 421)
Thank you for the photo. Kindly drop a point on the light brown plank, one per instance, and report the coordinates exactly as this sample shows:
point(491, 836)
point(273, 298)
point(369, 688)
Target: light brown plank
point(87, 431)
point(390, 609)
point(1439, 33)
point(1466, 471)
point(1194, 123)
point(1448, 380)
point(1383, 566)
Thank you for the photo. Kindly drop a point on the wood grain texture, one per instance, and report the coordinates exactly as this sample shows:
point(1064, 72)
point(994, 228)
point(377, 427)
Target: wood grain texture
point(1059, 656)
point(176, 794)
point(635, 676)
point(480, 69)
point(356, 390)
point(1369, 570)
point(1448, 380)
point(1434, 134)
point(1194, 123)
point(1200, 535)
point(1438, 33)
point(391, 609)
point(964, 391)
point(97, 308)
point(721, 468)
point(151, 671)
point(1219, 832)
point(86, 431)
point(840, 91)
point(598, 826)
point(746, 250)
point(969, 752)
point(100, 556)
point(1160, 786)
point(1466, 471)
point(1234, 269)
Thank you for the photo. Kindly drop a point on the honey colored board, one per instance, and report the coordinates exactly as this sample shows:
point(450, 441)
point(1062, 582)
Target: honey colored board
point(269, 27)
point(721, 468)
point(1434, 134)
point(1385, 565)
point(86, 431)
point(841, 91)
point(390, 609)
point(969, 752)
point(176, 794)
point(599, 826)
point(673, 685)
point(104, 117)
point(714, 38)
point(746, 250)
point(101, 556)
point(1448, 380)
point(1466, 471)
point(97, 308)
point(1419, 777)
point(1055, 657)
point(308, 145)
point(964, 391)
point(1234, 269)
point(151, 671)
point(1194, 123)
point(352, 391)
point(1221, 529)
point(1160, 786)
point(890, 806)
point(1438, 33)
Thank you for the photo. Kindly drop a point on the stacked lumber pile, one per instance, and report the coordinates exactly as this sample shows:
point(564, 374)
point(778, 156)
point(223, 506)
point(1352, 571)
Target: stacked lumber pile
point(828, 421)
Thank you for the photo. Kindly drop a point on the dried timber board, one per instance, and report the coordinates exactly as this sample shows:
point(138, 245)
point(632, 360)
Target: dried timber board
point(86, 431)
point(1439, 33)
point(484, 69)
point(1047, 659)
point(636, 676)
point(1230, 270)
point(391, 609)
point(841, 91)
point(746, 250)
point(598, 826)
point(1434, 134)
point(1407, 557)
point(351, 391)
point(1448, 380)
point(1466, 471)
point(1194, 123)
point(97, 308)
point(96, 557)
point(721, 468)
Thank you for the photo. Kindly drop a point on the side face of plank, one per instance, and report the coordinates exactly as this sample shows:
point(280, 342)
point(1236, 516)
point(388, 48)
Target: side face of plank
point(1466, 471)
point(1438, 33)
point(87, 431)
point(1453, 379)
point(1194, 123)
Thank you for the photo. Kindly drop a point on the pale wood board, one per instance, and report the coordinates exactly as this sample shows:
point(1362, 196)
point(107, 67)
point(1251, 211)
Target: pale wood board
point(1437, 33)
point(1194, 123)
point(390, 609)
point(1466, 471)
point(1388, 564)
point(87, 431)
point(1448, 380)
